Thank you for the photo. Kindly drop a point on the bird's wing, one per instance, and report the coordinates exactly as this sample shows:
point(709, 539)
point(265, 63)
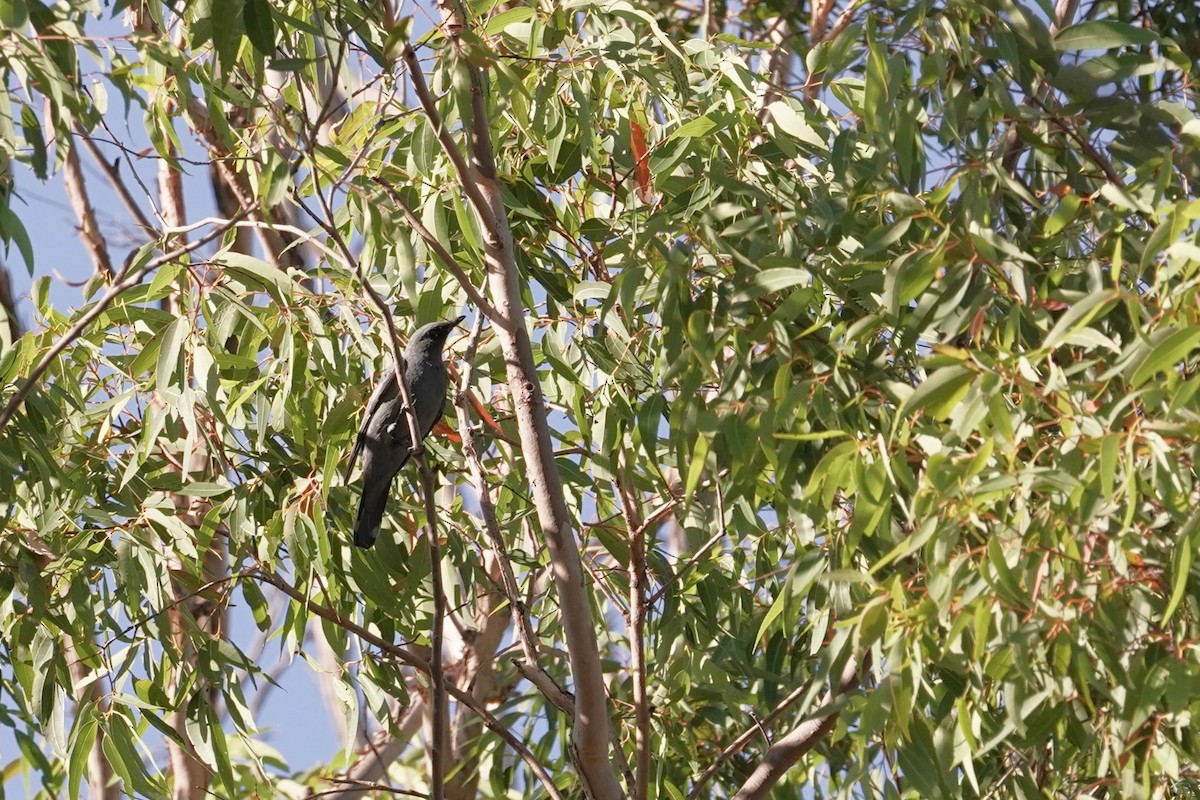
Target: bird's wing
point(384, 387)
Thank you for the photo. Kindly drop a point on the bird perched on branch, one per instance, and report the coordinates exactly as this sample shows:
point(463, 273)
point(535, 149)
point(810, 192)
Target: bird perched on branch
point(385, 440)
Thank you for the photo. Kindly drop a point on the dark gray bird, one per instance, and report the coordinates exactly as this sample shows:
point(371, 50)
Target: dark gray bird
point(384, 439)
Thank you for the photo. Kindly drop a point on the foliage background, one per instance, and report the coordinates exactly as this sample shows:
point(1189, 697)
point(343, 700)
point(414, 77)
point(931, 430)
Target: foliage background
point(868, 333)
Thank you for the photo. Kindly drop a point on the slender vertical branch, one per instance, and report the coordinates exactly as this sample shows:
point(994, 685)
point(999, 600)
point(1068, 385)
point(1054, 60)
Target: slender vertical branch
point(631, 511)
point(77, 194)
point(438, 734)
point(590, 732)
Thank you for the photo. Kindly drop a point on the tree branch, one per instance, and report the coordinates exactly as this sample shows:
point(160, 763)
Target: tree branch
point(637, 625)
point(417, 453)
point(89, 230)
point(784, 753)
point(590, 732)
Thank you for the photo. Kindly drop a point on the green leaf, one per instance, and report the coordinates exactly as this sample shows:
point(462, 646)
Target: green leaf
point(227, 31)
point(774, 280)
point(507, 17)
point(810, 436)
point(1103, 34)
point(173, 337)
point(260, 28)
point(1166, 353)
point(793, 123)
point(1181, 568)
point(939, 393)
point(701, 126)
point(83, 739)
point(257, 274)
point(696, 468)
point(202, 489)
point(12, 229)
point(1080, 315)
point(31, 129)
point(14, 14)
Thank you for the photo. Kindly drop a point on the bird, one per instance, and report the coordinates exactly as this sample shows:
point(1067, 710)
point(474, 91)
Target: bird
point(385, 439)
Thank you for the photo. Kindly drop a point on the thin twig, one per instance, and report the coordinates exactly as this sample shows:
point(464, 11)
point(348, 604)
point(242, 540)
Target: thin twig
point(448, 260)
point(116, 181)
point(124, 281)
point(691, 562)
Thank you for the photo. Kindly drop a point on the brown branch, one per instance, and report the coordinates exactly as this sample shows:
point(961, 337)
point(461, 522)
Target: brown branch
point(1089, 149)
point(448, 261)
point(637, 626)
point(532, 668)
point(491, 525)
point(440, 737)
point(449, 146)
point(691, 562)
point(590, 732)
point(77, 195)
point(784, 753)
point(476, 669)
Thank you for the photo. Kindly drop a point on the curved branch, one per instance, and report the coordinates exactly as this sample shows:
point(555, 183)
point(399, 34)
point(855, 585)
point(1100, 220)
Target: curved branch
point(784, 753)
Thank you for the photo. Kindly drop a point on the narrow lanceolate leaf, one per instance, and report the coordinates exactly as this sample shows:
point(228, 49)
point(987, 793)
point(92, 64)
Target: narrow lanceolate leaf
point(1103, 34)
point(260, 28)
point(940, 392)
point(1079, 315)
point(1185, 553)
point(169, 352)
point(1166, 353)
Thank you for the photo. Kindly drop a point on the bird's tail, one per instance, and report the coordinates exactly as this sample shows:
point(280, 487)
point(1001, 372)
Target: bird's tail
point(370, 515)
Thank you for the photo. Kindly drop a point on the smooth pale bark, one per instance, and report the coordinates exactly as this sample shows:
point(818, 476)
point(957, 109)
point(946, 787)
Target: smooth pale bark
point(590, 731)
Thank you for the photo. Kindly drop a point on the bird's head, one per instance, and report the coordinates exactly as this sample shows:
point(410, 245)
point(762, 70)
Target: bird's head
point(430, 339)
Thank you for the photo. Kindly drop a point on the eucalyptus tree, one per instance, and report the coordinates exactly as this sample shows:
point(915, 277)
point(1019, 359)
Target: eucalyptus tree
point(825, 424)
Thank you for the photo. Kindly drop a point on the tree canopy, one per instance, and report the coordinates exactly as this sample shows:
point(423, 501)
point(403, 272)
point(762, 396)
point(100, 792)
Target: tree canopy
point(824, 422)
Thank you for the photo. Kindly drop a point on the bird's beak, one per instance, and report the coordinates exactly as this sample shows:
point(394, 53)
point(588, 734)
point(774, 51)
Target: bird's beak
point(459, 319)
